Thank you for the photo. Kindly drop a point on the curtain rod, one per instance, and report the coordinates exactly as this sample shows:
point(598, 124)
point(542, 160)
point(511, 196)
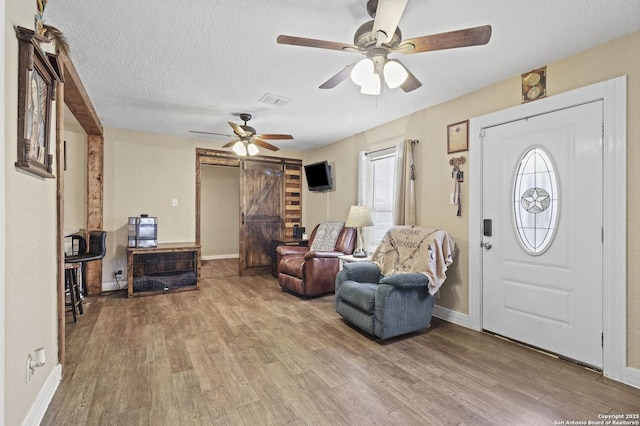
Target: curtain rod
point(413, 142)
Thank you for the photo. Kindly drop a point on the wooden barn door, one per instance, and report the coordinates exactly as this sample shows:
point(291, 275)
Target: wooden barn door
point(270, 203)
point(262, 212)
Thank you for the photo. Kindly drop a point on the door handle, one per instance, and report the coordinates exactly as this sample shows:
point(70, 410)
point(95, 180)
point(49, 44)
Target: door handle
point(487, 245)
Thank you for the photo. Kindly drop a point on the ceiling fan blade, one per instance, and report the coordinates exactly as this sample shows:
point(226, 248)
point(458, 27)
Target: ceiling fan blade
point(274, 137)
point(264, 144)
point(321, 44)
point(388, 16)
point(238, 130)
point(411, 82)
point(229, 144)
point(461, 38)
point(341, 76)
point(211, 133)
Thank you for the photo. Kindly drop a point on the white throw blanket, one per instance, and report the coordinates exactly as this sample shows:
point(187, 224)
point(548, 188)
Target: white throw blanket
point(406, 249)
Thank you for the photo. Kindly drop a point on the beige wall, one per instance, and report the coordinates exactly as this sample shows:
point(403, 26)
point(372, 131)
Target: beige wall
point(219, 217)
point(434, 181)
point(75, 177)
point(30, 309)
point(143, 172)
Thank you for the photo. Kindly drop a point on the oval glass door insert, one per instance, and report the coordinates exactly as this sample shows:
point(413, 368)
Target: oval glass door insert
point(535, 201)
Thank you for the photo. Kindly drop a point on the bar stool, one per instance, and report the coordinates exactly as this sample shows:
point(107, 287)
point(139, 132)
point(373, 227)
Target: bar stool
point(71, 288)
point(97, 251)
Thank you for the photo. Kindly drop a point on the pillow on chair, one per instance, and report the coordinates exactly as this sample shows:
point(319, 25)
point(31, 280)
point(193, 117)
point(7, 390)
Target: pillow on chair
point(326, 236)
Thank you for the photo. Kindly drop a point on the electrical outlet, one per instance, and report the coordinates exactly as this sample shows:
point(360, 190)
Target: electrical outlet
point(118, 274)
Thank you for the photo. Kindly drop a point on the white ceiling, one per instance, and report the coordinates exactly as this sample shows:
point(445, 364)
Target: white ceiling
point(170, 67)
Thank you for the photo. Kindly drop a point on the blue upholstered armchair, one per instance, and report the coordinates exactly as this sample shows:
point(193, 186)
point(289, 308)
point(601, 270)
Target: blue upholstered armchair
point(395, 294)
point(383, 306)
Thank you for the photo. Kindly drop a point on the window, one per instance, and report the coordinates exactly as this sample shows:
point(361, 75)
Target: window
point(535, 201)
point(383, 183)
point(377, 171)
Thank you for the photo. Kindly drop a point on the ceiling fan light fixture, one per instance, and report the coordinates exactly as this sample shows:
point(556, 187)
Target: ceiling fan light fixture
point(371, 86)
point(394, 74)
point(362, 72)
point(240, 149)
point(252, 149)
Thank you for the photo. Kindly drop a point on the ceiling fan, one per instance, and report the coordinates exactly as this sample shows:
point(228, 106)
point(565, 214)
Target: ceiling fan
point(378, 38)
point(246, 141)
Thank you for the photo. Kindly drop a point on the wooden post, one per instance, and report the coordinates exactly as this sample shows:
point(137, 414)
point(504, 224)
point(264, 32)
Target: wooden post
point(95, 197)
point(60, 220)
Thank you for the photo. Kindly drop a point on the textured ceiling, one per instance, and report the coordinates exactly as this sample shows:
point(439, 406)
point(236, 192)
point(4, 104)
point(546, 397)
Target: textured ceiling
point(171, 67)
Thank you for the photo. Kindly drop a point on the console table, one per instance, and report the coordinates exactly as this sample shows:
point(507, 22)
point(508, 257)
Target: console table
point(169, 267)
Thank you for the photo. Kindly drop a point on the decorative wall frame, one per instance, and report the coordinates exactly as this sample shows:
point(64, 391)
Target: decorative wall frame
point(534, 84)
point(37, 83)
point(458, 137)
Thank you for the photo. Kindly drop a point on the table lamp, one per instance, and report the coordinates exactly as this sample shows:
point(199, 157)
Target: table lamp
point(358, 218)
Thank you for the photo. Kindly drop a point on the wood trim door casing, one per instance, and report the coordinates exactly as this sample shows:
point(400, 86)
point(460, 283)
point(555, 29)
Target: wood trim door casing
point(614, 213)
point(60, 222)
point(71, 92)
point(292, 198)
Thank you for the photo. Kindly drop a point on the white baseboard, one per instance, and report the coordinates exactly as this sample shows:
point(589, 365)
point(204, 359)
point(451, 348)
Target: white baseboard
point(452, 316)
point(221, 256)
point(114, 286)
point(631, 377)
point(40, 405)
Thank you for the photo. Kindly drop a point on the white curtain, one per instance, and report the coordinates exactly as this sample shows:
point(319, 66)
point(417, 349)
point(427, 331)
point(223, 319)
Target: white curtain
point(365, 194)
point(404, 207)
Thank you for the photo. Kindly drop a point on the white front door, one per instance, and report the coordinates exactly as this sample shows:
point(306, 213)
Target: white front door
point(542, 210)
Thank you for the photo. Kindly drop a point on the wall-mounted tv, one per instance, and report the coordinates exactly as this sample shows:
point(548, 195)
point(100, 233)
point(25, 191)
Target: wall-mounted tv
point(318, 176)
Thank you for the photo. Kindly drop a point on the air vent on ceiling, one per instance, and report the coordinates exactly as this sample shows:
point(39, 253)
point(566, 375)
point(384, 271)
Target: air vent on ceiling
point(277, 100)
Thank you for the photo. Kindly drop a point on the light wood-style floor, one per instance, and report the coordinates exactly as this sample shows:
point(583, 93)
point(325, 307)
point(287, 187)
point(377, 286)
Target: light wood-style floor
point(241, 352)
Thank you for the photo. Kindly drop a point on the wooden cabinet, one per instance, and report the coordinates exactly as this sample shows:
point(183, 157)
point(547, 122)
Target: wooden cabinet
point(170, 267)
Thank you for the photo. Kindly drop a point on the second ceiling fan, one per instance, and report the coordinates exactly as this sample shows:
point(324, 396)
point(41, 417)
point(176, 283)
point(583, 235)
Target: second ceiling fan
point(246, 140)
point(378, 38)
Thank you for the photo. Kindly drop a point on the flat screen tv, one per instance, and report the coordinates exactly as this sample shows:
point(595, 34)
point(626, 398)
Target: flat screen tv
point(318, 176)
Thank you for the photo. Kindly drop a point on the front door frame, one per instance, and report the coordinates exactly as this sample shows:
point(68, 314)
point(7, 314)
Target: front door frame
point(614, 94)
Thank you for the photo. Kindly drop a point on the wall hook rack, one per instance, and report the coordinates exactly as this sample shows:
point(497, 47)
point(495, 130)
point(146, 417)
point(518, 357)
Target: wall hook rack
point(457, 161)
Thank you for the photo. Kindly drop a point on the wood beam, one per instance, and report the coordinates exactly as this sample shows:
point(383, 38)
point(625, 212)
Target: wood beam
point(77, 100)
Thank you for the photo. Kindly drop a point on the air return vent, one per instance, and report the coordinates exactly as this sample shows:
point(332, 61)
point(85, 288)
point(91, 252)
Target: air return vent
point(277, 100)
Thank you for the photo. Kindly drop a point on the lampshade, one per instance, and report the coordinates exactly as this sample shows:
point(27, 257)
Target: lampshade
point(252, 148)
point(371, 86)
point(394, 74)
point(362, 71)
point(240, 149)
point(358, 217)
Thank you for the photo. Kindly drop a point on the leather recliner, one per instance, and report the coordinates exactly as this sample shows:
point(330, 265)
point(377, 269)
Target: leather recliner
point(311, 273)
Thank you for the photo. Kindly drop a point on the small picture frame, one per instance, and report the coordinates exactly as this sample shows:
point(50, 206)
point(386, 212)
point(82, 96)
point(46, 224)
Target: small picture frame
point(37, 83)
point(534, 84)
point(458, 137)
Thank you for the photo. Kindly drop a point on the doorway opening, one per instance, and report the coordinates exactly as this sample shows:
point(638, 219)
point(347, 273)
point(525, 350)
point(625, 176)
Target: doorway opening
point(267, 208)
point(219, 220)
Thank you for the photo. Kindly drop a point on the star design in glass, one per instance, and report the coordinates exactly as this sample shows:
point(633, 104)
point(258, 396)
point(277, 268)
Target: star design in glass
point(535, 200)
